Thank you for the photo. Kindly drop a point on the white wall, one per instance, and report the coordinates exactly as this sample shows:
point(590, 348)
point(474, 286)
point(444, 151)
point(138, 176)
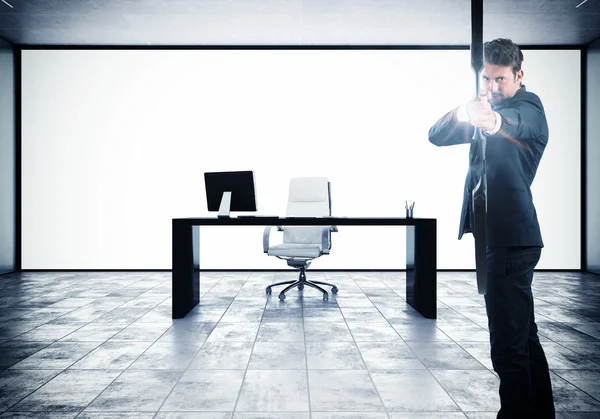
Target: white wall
point(115, 144)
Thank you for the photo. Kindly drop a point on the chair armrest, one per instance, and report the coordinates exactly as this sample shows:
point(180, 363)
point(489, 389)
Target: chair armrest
point(325, 242)
point(266, 236)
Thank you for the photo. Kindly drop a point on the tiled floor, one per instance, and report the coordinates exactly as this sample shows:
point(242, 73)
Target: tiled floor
point(103, 345)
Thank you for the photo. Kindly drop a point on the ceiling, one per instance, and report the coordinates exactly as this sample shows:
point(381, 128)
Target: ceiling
point(294, 22)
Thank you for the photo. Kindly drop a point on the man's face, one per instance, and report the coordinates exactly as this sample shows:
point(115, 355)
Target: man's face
point(500, 82)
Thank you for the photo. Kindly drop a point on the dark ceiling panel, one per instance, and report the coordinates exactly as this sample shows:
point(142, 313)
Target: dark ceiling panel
point(386, 29)
point(213, 29)
point(36, 36)
point(294, 22)
point(545, 29)
point(423, 7)
point(36, 6)
point(81, 23)
point(118, 6)
point(29, 21)
point(239, 7)
point(541, 6)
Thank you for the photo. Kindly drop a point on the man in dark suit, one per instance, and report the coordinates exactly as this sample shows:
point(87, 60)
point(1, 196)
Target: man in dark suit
point(514, 123)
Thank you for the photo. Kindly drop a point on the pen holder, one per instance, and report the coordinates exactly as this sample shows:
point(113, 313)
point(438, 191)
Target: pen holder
point(409, 213)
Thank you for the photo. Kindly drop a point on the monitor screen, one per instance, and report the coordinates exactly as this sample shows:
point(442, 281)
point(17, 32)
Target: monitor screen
point(239, 183)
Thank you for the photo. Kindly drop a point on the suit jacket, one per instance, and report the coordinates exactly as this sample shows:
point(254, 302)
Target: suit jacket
point(512, 158)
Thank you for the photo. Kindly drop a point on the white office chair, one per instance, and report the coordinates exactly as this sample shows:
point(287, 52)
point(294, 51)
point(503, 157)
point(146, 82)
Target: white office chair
point(308, 197)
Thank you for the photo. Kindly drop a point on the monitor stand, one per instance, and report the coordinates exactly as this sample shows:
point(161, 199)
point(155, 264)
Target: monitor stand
point(225, 205)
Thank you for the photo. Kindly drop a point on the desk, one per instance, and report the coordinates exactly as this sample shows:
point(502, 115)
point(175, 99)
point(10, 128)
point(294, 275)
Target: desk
point(421, 265)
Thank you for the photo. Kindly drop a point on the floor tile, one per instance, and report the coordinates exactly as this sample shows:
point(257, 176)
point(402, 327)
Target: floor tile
point(15, 385)
point(568, 397)
point(333, 356)
point(278, 356)
point(113, 355)
point(136, 391)
point(272, 391)
point(59, 355)
point(444, 355)
point(327, 332)
point(281, 332)
point(69, 391)
point(223, 354)
point(425, 395)
point(332, 390)
point(219, 390)
point(472, 390)
point(428, 415)
point(585, 380)
point(389, 355)
point(167, 355)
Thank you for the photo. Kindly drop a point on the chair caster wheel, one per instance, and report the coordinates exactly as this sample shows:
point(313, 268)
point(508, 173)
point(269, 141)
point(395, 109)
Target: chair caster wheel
point(282, 297)
point(268, 290)
point(300, 287)
point(334, 290)
point(325, 297)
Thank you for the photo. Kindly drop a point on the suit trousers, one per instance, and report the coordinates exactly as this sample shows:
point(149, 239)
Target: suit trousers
point(516, 352)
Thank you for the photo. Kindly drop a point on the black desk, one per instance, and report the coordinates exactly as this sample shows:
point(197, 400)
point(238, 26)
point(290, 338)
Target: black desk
point(421, 265)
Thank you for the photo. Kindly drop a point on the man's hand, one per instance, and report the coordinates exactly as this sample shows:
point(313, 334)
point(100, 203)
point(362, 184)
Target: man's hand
point(481, 114)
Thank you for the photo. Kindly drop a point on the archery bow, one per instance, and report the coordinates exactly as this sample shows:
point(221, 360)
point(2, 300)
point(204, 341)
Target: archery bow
point(477, 160)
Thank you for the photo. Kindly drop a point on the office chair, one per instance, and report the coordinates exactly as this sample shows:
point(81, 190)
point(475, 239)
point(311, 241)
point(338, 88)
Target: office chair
point(307, 197)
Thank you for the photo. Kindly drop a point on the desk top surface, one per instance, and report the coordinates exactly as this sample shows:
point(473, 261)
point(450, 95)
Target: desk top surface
point(306, 221)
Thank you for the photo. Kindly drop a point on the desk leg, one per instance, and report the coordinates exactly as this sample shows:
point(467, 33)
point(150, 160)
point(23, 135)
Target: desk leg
point(421, 268)
point(185, 270)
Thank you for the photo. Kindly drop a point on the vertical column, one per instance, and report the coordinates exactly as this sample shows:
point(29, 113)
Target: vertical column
point(185, 272)
point(10, 158)
point(421, 267)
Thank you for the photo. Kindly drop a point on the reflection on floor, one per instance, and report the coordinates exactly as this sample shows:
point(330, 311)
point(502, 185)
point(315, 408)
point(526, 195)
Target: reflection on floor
point(87, 344)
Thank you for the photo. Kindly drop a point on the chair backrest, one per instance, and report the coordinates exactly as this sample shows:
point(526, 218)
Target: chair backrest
point(307, 197)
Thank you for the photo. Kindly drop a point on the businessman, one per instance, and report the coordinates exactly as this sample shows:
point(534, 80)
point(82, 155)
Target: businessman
point(514, 123)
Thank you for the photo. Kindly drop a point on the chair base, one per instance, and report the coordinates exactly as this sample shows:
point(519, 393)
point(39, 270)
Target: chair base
point(300, 283)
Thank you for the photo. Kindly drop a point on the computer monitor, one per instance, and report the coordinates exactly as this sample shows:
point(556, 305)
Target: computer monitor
point(230, 191)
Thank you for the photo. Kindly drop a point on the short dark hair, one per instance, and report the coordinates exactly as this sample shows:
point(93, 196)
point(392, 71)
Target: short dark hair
point(503, 52)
